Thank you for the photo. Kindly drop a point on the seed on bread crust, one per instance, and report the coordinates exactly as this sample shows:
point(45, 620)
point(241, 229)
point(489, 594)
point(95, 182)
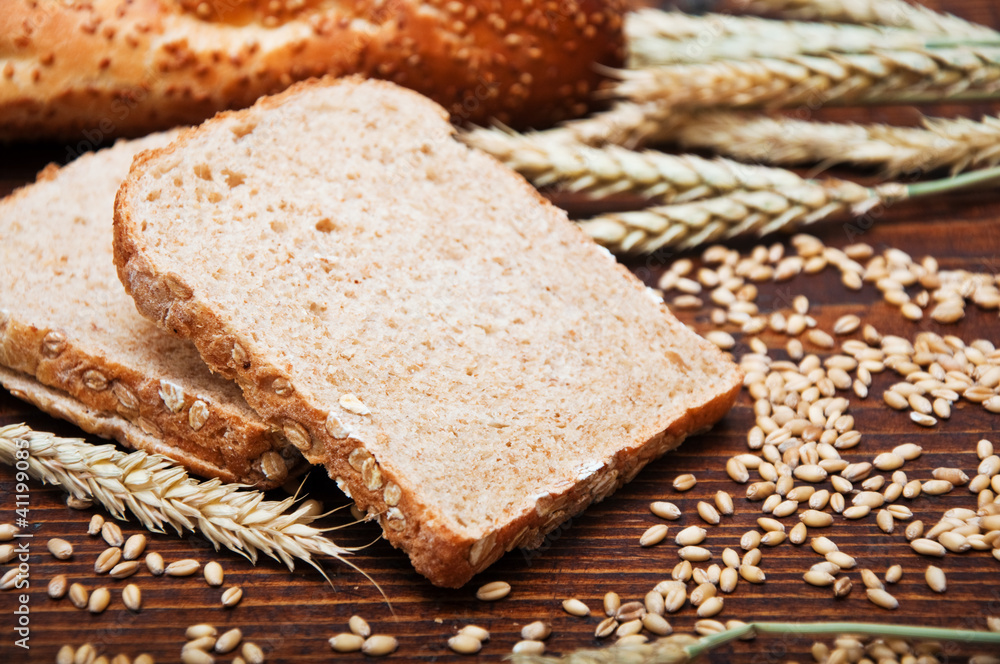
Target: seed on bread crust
point(353, 404)
point(198, 415)
point(172, 395)
point(297, 435)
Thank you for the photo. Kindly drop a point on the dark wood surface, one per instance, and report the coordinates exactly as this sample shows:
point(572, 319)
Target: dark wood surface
point(291, 615)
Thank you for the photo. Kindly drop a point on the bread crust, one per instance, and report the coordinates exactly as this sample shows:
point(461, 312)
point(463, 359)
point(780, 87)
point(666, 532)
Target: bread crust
point(446, 557)
point(112, 400)
point(89, 71)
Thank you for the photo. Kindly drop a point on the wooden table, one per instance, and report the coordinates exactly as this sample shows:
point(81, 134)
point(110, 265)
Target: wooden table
point(291, 615)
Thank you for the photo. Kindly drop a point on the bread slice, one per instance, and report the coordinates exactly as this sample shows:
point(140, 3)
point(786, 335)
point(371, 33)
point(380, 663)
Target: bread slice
point(72, 343)
point(467, 365)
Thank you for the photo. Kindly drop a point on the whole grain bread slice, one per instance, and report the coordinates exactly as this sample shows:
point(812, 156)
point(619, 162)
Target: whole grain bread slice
point(468, 366)
point(72, 343)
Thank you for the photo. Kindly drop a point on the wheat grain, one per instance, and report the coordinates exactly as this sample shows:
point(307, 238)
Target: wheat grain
point(658, 37)
point(493, 591)
point(665, 510)
point(99, 600)
point(252, 653)
point(346, 642)
point(881, 598)
point(909, 76)
point(653, 535)
point(228, 640)
point(225, 514)
point(575, 607)
point(60, 548)
point(611, 169)
point(464, 644)
point(895, 13)
point(379, 645)
point(480, 633)
point(685, 482)
point(132, 597)
point(958, 144)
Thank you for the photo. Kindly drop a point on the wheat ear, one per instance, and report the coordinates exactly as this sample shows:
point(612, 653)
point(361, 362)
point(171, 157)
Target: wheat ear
point(613, 170)
point(625, 123)
point(688, 225)
point(895, 13)
point(657, 37)
point(961, 73)
point(160, 493)
point(739, 213)
point(958, 144)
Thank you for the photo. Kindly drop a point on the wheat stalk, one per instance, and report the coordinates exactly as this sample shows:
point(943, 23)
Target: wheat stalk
point(160, 493)
point(895, 13)
point(688, 225)
point(614, 170)
point(657, 37)
point(960, 73)
point(958, 144)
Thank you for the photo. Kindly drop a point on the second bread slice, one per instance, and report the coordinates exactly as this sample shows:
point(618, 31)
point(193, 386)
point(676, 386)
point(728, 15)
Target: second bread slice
point(467, 365)
point(72, 343)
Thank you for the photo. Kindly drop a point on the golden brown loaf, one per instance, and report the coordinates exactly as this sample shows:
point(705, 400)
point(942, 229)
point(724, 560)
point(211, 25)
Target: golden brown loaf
point(468, 366)
point(89, 70)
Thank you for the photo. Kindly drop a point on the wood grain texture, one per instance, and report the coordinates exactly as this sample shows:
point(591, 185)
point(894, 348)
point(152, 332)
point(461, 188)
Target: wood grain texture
point(291, 616)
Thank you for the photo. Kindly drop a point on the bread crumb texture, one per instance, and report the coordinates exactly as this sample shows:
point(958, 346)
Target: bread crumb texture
point(465, 362)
